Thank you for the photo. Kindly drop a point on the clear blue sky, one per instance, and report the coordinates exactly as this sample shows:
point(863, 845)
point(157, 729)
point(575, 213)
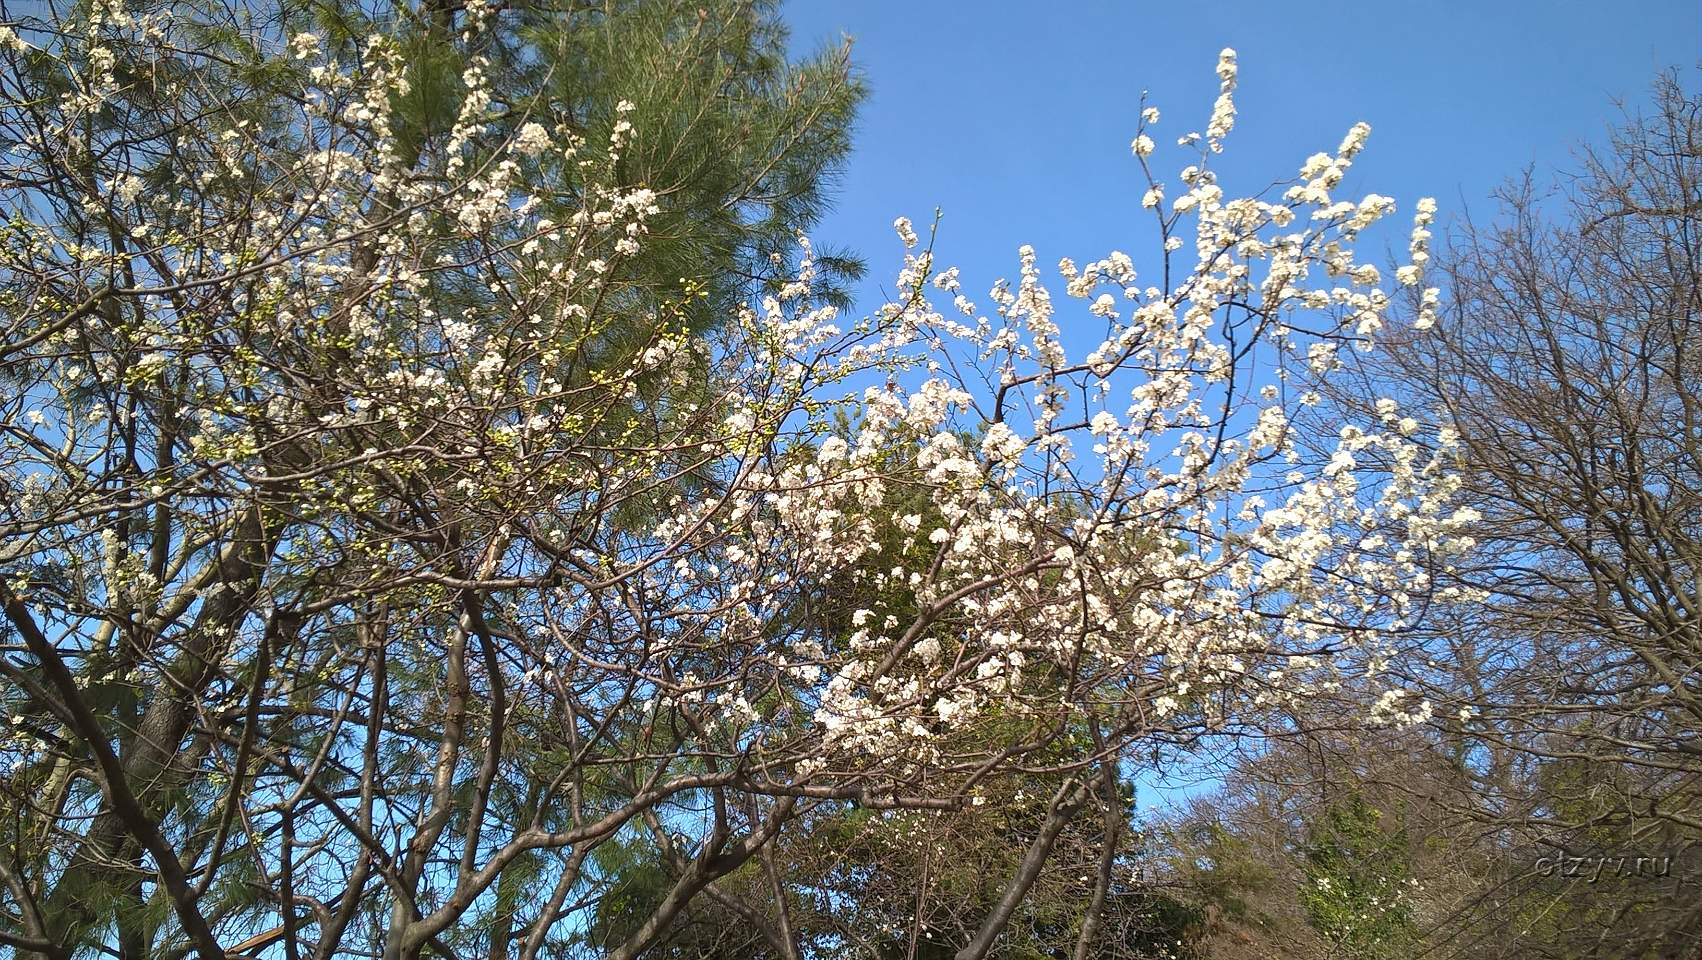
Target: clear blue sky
point(1015, 118)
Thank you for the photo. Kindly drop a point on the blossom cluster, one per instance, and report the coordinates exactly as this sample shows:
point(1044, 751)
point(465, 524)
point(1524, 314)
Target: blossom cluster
point(1125, 535)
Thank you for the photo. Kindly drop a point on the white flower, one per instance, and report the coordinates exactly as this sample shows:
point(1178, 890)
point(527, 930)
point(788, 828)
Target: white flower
point(1355, 141)
point(906, 232)
point(128, 187)
point(833, 449)
point(304, 45)
point(1001, 443)
point(1341, 462)
point(1226, 64)
point(151, 363)
point(927, 650)
point(1223, 112)
point(1141, 146)
point(532, 140)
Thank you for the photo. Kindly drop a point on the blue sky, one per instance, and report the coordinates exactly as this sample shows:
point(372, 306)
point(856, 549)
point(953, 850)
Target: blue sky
point(1015, 118)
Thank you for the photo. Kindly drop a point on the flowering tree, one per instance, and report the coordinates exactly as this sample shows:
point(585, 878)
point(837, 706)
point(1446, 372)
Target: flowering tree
point(383, 555)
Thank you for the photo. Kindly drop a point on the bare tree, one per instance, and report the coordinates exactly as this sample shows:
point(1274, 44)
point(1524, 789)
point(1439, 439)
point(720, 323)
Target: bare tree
point(1568, 360)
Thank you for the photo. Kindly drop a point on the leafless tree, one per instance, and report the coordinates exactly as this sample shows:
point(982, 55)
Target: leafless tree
point(1569, 358)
